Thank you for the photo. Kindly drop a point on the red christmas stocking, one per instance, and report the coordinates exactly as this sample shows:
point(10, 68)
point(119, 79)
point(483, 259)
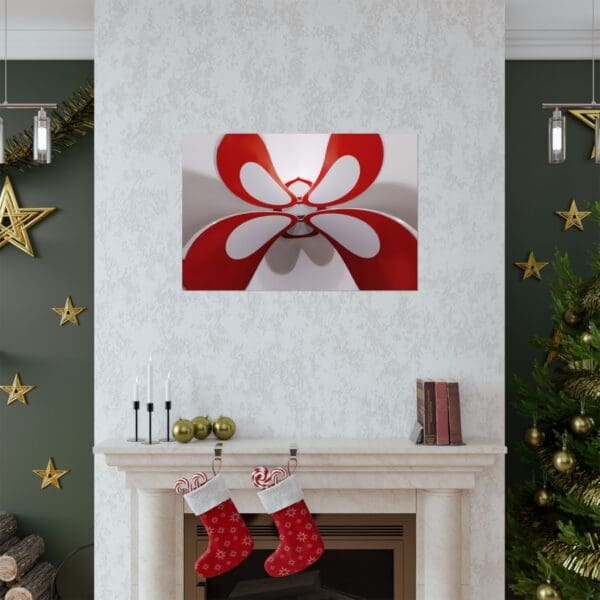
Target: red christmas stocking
point(229, 541)
point(300, 543)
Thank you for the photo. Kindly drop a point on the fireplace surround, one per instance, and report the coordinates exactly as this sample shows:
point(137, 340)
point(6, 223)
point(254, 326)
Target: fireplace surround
point(390, 476)
point(367, 556)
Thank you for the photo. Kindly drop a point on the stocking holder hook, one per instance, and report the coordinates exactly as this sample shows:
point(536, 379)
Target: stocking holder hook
point(293, 460)
point(218, 459)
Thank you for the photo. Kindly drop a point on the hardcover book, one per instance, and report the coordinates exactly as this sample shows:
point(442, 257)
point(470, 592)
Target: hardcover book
point(455, 428)
point(426, 409)
point(442, 433)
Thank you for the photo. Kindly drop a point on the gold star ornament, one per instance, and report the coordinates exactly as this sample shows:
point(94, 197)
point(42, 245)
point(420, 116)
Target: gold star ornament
point(17, 391)
point(573, 217)
point(588, 117)
point(50, 475)
point(15, 220)
point(68, 313)
point(532, 267)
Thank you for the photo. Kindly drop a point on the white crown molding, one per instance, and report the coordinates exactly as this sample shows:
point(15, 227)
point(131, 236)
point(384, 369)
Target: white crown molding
point(50, 44)
point(550, 44)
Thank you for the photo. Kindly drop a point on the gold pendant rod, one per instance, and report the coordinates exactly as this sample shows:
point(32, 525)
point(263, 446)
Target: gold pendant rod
point(27, 105)
point(567, 105)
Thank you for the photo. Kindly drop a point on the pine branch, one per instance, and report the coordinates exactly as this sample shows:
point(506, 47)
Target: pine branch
point(71, 120)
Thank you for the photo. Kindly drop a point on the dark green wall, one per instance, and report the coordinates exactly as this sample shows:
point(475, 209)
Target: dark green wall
point(58, 421)
point(534, 190)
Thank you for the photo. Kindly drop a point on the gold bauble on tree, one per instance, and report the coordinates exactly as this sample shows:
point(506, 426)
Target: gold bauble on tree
point(564, 460)
point(224, 428)
point(544, 498)
point(571, 317)
point(535, 436)
point(546, 591)
point(202, 427)
point(183, 431)
point(587, 338)
point(582, 424)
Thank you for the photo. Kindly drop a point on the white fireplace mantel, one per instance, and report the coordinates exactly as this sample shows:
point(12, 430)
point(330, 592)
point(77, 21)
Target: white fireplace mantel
point(338, 476)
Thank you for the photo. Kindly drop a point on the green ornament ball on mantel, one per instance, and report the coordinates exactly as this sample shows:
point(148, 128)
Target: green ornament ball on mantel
point(183, 431)
point(224, 428)
point(202, 427)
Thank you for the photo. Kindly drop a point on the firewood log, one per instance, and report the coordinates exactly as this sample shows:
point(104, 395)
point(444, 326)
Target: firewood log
point(18, 559)
point(8, 526)
point(8, 544)
point(34, 584)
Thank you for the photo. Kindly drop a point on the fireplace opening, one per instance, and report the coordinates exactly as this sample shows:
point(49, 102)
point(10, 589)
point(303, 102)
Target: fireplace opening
point(367, 557)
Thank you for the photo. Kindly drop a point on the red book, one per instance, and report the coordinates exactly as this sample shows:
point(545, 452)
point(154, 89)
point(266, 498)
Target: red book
point(454, 414)
point(442, 433)
point(426, 409)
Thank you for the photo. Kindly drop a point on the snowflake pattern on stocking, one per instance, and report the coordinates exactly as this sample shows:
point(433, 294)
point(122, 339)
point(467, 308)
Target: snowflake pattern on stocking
point(297, 549)
point(232, 544)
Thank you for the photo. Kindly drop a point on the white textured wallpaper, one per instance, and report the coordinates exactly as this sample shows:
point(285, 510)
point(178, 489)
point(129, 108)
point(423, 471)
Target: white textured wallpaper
point(307, 363)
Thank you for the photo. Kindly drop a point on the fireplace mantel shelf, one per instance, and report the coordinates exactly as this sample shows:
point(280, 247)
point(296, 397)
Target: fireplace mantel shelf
point(338, 476)
point(242, 446)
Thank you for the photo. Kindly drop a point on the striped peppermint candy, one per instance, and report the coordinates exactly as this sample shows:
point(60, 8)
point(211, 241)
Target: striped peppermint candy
point(262, 478)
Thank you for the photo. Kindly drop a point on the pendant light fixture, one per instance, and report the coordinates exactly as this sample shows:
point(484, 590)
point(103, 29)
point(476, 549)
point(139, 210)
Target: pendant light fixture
point(42, 139)
point(557, 123)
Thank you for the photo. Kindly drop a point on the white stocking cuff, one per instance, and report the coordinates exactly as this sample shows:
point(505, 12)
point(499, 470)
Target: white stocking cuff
point(211, 494)
point(282, 495)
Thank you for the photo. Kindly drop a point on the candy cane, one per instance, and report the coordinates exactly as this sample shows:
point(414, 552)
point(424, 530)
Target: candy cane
point(261, 478)
point(198, 480)
point(182, 486)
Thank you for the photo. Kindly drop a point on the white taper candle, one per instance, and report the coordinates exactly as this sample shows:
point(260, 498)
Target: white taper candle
point(149, 382)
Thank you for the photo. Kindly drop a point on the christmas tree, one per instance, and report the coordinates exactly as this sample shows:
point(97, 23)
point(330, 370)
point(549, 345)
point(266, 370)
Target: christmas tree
point(554, 519)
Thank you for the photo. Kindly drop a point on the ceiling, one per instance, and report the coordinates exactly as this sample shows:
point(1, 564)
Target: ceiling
point(550, 29)
point(535, 29)
point(49, 29)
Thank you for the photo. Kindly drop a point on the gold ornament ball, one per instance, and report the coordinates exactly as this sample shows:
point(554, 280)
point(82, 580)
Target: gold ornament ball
point(183, 431)
point(546, 591)
point(563, 461)
point(202, 427)
point(224, 428)
point(571, 317)
point(544, 498)
point(586, 338)
point(582, 424)
point(535, 436)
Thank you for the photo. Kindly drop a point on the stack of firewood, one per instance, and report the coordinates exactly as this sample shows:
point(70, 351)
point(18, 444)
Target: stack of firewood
point(22, 577)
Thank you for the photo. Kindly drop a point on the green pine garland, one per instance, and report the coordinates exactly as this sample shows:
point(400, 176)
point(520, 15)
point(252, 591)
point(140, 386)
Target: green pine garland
point(73, 118)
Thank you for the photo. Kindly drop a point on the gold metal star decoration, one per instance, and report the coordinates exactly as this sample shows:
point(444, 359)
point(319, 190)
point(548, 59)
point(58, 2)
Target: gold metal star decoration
point(573, 217)
point(588, 117)
point(15, 220)
point(532, 267)
point(50, 475)
point(17, 391)
point(68, 313)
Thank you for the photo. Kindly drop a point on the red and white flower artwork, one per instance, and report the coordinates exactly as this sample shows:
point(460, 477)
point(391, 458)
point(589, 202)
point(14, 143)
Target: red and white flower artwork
point(300, 212)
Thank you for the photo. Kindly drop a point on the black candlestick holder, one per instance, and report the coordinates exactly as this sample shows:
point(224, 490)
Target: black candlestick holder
point(136, 409)
point(168, 411)
point(150, 409)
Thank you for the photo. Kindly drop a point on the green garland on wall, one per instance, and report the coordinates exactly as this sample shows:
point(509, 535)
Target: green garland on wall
point(71, 120)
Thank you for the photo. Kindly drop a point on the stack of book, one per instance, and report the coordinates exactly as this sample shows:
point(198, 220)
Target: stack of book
point(438, 413)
